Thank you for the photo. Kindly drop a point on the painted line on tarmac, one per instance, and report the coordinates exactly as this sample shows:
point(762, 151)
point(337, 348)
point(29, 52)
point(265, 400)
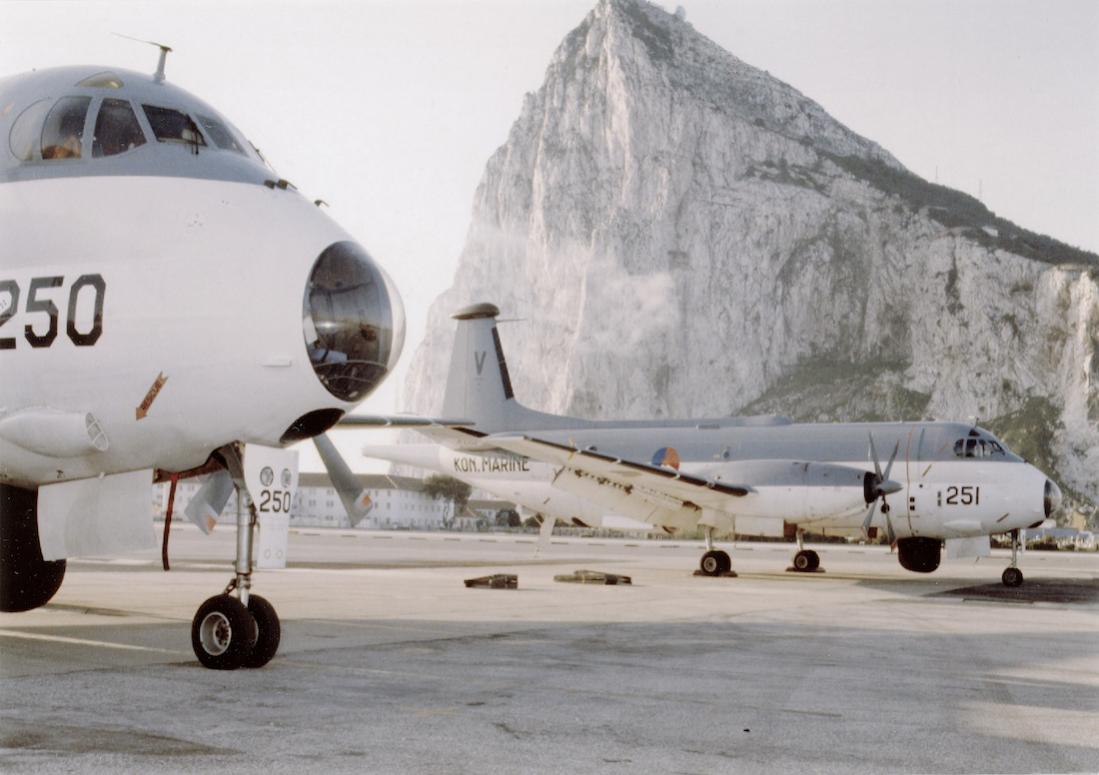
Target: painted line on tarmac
point(84, 642)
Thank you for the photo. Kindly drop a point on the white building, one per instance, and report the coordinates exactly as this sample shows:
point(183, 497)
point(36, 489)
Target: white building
point(399, 503)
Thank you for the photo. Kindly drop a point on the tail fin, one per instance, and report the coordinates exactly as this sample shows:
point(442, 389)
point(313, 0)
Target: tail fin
point(478, 386)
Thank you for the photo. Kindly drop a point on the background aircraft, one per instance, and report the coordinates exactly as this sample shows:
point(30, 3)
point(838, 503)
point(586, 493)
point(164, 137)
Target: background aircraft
point(169, 307)
point(944, 483)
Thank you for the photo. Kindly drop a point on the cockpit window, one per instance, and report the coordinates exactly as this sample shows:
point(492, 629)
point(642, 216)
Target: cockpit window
point(116, 129)
point(971, 447)
point(64, 128)
point(221, 135)
point(173, 126)
point(102, 81)
point(24, 134)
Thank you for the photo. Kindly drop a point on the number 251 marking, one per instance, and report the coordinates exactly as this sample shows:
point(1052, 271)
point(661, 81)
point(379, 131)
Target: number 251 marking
point(967, 495)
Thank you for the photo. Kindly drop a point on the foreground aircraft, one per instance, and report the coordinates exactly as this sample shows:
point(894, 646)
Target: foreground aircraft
point(944, 482)
point(168, 307)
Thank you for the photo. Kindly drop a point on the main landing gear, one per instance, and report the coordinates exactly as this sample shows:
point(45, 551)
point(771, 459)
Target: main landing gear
point(715, 562)
point(1013, 577)
point(243, 630)
point(806, 560)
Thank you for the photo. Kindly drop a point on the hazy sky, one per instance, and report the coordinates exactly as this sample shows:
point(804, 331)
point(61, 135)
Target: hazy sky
point(389, 110)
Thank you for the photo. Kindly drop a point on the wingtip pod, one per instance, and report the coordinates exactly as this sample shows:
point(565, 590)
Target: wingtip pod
point(477, 311)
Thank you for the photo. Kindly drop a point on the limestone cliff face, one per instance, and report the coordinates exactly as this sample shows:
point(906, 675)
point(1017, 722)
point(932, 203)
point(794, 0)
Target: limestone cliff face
point(686, 235)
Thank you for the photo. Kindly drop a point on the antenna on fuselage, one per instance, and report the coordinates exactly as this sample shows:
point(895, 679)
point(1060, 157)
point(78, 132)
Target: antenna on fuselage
point(158, 76)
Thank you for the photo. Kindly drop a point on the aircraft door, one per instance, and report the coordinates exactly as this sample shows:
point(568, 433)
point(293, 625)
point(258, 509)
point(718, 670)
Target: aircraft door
point(915, 470)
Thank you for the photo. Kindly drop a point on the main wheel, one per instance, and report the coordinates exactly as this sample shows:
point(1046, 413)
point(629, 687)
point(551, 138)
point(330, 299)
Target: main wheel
point(223, 633)
point(1013, 577)
point(806, 560)
point(268, 632)
point(712, 564)
point(726, 561)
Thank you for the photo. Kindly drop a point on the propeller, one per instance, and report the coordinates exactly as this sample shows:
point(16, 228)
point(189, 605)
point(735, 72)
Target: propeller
point(352, 495)
point(878, 485)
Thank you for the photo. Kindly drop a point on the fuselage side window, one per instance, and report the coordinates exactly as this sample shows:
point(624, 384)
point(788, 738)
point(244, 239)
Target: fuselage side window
point(173, 126)
point(221, 135)
point(63, 132)
point(25, 131)
point(116, 129)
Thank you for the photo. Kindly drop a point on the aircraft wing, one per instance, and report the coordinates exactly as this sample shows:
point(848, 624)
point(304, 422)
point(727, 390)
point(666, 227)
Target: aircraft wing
point(701, 491)
point(399, 421)
point(453, 433)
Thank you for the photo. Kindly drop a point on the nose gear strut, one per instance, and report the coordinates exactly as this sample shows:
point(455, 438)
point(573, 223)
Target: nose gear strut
point(243, 630)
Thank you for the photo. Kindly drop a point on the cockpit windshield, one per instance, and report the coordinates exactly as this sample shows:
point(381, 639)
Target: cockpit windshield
point(63, 132)
point(221, 135)
point(173, 126)
point(116, 129)
point(975, 446)
point(94, 122)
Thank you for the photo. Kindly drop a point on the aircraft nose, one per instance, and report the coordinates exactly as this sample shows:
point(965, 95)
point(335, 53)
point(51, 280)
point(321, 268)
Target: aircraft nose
point(1052, 500)
point(353, 321)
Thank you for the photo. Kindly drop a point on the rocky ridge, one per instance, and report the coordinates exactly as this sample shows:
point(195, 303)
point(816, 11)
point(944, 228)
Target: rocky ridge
point(687, 235)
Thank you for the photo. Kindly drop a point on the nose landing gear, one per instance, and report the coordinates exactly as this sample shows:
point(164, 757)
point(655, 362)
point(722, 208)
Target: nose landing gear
point(242, 631)
point(1012, 576)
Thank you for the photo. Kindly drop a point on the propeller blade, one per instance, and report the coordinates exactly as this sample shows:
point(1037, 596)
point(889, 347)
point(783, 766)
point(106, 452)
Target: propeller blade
point(874, 457)
point(869, 518)
point(352, 495)
point(544, 533)
point(890, 534)
point(889, 465)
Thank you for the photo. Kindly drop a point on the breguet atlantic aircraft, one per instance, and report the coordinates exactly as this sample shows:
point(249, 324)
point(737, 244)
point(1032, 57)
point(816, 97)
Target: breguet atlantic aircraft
point(168, 307)
point(943, 482)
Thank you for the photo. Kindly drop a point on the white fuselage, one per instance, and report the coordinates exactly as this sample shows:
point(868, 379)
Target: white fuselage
point(939, 499)
point(203, 283)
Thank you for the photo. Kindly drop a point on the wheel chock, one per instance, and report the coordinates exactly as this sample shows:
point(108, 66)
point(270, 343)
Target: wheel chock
point(725, 574)
point(495, 581)
point(593, 577)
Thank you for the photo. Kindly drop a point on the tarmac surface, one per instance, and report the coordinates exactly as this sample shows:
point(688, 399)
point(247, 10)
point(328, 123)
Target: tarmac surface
point(389, 664)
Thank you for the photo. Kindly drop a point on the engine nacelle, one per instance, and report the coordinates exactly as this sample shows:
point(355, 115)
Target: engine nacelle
point(26, 580)
point(919, 555)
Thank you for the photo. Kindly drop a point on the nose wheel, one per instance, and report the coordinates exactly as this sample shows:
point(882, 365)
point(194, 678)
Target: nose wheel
point(1012, 576)
point(241, 630)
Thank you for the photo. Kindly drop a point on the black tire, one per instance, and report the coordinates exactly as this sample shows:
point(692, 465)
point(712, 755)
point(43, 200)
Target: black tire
point(711, 564)
point(223, 633)
point(1012, 577)
point(268, 632)
point(806, 561)
point(726, 561)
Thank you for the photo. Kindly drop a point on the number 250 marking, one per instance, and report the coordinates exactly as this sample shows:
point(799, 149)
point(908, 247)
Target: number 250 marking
point(37, 338)
point(277, 501)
